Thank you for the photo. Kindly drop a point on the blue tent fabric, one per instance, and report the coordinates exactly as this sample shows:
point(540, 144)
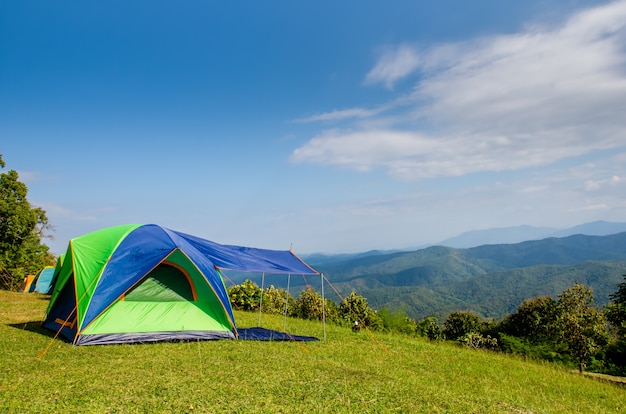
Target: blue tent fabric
point(262, 334)
point(43, 280)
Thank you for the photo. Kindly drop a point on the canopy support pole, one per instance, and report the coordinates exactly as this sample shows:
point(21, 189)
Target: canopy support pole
point(286, 302)
point(323, 307)
point(261, 299)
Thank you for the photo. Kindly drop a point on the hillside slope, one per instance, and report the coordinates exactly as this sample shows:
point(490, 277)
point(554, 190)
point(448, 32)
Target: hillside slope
point(347, 373)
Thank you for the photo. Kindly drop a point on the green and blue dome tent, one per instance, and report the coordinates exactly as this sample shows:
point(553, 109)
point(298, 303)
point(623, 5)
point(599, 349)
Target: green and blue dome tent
point(146, 283)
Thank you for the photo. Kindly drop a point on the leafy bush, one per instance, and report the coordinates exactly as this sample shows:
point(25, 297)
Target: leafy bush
point(246, 296)
point(534, 319)
point(477, 341)
point(310, 305)
point(552, 352)
point(274, 301)
point(615, 359)
point(356, 308)
point(460, 323)
point(430, 328)
point(396, 321)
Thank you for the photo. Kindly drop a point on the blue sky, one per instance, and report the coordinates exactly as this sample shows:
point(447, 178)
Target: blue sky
point(327, 126)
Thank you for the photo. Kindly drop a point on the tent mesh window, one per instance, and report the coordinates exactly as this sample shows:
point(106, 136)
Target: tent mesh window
point(164, 284)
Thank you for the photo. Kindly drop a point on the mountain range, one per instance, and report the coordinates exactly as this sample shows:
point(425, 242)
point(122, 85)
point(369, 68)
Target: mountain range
point(522, 233)
point(489, 279)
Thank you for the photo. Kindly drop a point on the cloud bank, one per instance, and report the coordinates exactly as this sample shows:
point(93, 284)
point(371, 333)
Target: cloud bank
point(493, 104)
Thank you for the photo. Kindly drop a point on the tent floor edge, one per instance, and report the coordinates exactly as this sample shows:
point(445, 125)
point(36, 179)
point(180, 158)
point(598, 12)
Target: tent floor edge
point(152, 337)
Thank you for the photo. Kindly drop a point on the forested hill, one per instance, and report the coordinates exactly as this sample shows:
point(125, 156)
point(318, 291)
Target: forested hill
point(491, 279)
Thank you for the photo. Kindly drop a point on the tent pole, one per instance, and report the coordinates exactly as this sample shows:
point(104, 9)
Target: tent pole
point(323, 307)
point(261, 299)
point(286, 302)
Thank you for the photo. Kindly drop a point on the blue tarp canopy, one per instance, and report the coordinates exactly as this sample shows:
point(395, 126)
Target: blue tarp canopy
point(249, 259)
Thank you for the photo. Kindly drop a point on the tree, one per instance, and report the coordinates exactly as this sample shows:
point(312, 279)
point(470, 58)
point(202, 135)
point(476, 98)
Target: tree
point(616, 310)
point(355, 308)
point(534, 319)
point(460, 323)
point(22, 227)
point(581, 325)
point(616, 315)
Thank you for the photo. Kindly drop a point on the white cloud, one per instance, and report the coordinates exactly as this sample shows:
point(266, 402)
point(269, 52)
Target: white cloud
point(593, 185)
point(493, 104)
point(338, 115)
point(395, 63)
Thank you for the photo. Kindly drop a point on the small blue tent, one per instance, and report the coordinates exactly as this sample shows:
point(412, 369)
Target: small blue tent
point(42, 281)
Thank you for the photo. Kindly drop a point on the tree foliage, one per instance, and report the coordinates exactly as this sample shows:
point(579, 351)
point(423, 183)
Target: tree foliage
point(616, 310)
point(396, 321)
point(478, 341)
point(534, 319)
point(616, 315)
point(460, 323)
point(430, 328)
point(22, 227)
point(277, 301)
point(245, 296)
point(581, 325)
point(309, 305)
point(355, 308)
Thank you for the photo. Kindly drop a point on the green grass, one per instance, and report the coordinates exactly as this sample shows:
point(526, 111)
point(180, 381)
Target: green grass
point(348, 373)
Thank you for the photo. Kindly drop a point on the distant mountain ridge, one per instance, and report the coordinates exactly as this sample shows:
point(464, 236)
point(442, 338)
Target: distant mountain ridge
point(491, 279)
point(517, 234)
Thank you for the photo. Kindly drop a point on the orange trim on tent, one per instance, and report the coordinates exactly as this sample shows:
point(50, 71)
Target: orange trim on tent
point(184, 272)
point(66, 323)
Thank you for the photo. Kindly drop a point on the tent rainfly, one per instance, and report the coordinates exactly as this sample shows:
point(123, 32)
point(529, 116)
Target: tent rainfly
point(146, 283)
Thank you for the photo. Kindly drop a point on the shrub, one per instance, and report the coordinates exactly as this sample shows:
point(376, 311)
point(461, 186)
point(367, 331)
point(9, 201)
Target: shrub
point(460, 323)
point(274, 301)
point(477, 341)
point(309, 305)
point(429, 327)
point(534, 319)
point(356, 308)
point(397, 321)
point(535, 350)
point(246, 296)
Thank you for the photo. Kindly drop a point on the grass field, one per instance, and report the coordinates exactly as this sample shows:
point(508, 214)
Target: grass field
point(347, 373)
